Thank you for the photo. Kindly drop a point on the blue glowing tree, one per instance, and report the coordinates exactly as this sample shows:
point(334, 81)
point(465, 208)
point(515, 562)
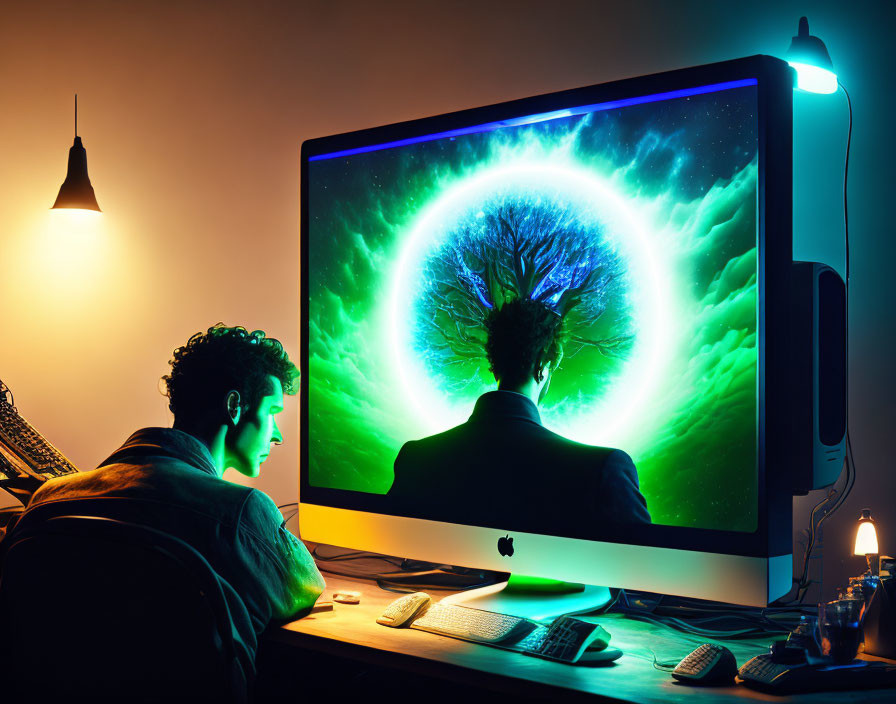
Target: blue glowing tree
point(523, 249)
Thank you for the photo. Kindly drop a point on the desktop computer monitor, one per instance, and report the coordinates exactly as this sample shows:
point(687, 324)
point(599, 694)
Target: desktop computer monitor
point(653, 216)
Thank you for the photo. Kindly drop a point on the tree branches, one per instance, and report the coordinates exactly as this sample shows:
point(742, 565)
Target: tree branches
point(514, 250)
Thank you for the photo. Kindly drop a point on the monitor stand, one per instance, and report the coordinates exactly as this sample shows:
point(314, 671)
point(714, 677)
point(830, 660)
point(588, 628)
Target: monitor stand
point(533, 598)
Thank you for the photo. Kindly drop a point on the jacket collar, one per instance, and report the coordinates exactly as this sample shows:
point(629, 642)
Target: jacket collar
point(165, 442)
point(505, 404)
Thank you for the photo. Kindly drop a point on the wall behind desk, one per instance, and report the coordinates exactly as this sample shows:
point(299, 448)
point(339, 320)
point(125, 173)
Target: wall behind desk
point(192, 114)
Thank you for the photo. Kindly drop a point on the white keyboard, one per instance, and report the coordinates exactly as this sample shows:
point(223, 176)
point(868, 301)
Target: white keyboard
point(472, 624)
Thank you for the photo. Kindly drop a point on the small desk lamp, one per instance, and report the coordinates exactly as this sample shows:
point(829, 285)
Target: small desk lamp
point(76, 191)
point(866, 539)
point(809, 56)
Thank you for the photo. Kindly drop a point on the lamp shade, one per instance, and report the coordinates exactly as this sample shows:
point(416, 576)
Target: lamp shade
point(866, 537)
point(76, 191)
point(809, 56)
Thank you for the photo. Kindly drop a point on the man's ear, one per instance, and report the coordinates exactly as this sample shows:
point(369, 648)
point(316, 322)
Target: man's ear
point(232, 402)
point(546, 372)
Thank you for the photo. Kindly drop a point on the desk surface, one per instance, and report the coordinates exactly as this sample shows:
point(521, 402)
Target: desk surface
point(351, 631)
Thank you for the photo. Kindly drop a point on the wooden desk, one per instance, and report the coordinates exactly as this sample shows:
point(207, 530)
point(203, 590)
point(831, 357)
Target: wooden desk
point(351, 633)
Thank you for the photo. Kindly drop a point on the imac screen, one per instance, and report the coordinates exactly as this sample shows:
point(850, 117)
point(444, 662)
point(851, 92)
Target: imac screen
point(634, 221)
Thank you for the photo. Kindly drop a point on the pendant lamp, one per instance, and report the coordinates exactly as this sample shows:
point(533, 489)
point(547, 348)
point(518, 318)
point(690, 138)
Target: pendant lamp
point(76, 191)
point(809, 56)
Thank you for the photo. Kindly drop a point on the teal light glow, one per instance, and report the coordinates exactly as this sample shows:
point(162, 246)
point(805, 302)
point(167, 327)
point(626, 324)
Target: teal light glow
point(616, 414)
point(814, 79)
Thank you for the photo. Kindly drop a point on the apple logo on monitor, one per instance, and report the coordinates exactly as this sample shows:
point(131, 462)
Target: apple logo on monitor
point(505, 546)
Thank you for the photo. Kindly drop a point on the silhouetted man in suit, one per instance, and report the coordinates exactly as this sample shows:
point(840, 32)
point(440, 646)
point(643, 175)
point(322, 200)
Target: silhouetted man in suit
point(503, 467)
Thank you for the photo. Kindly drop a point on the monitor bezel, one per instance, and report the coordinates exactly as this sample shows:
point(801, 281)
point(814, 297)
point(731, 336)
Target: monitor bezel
point(774, 78)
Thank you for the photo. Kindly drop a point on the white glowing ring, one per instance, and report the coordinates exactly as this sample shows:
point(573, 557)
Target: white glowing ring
point(610, 420)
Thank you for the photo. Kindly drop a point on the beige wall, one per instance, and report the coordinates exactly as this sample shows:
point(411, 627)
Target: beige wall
point(192, 114)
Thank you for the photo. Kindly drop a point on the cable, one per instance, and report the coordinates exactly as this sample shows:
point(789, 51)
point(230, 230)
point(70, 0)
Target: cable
point(388, 580)
point(709, 619)
point(851, 479)
point(607, 607)
point(845, 179)
point(355, 555)
point(411, 575)
point(751, 631)
point(803, 583)
point(665, 665)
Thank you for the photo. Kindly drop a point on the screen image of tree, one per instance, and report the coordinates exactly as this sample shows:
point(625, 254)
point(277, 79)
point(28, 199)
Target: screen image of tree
point(636, 224)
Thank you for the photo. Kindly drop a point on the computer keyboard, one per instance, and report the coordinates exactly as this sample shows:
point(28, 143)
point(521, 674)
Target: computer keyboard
point(27, 459)
point(781, 678)
point(566, 639)
point(472, 624)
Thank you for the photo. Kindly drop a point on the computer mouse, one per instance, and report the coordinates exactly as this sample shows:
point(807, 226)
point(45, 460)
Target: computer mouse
point(710, 664)
point(405, 609)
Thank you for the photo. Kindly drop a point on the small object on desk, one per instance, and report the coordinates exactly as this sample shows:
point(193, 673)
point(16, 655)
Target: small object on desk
point(786, 653)
point(405, 609)
point(710, 664)
point(764, 674)
point(879, 622)
point(839, 631)
point(346, 597)
point(801, 638)
point(320, 607)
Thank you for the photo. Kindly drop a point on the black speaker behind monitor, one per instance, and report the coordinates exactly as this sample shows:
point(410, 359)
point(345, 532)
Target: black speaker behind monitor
point(818, 373)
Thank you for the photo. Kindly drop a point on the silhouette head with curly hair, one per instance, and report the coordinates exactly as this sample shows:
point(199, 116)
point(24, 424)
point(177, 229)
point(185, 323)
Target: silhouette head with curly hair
point(524, 346)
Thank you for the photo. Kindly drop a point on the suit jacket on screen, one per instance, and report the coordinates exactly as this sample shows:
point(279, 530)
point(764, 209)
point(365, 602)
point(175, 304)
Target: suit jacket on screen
point(503, 468)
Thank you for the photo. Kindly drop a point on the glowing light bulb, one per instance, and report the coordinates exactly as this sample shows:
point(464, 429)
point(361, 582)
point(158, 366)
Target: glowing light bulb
point(814, 79)
point(866, 537)
point(809, 57)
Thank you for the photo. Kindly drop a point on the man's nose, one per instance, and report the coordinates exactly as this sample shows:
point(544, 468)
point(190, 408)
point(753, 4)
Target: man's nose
point(276, 437)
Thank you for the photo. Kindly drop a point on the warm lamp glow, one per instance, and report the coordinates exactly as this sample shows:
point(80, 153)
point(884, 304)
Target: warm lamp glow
point(70, 248)
point(866, 537)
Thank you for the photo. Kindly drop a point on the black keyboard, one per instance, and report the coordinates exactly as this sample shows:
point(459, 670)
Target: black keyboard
point(566, 639)
point(27, 459)
point(778, 678)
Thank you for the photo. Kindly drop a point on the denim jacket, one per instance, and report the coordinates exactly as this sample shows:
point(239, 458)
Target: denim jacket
point(166, 479)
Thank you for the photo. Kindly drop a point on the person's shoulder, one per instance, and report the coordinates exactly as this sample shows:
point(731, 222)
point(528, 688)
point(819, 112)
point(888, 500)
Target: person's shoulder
point(608, 455)
point(258, 511)
point(433, 443)
point(620, 462)
point(60, 487)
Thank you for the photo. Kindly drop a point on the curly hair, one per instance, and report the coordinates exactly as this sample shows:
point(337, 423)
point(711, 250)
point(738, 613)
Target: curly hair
point(223, 359)
point(521, 337)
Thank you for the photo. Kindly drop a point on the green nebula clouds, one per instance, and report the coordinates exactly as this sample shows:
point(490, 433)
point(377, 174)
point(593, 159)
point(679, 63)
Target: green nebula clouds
point(687, 170)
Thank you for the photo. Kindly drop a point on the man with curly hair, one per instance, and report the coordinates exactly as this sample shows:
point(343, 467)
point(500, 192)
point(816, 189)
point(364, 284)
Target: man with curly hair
point(225, 390)
point(503, 467)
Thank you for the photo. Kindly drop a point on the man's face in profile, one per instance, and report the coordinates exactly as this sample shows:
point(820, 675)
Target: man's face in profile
point(250, 441)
